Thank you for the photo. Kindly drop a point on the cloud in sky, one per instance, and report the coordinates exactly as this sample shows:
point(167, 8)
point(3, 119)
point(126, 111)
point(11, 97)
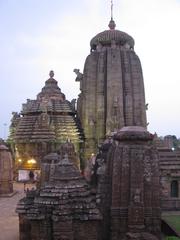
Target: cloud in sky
point(38, 36)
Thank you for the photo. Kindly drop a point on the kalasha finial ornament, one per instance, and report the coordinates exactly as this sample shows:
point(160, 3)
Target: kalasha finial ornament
point(51, 74)
point(112, 24)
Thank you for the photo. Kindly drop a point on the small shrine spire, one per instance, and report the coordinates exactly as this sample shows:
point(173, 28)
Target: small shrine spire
point(112, 24)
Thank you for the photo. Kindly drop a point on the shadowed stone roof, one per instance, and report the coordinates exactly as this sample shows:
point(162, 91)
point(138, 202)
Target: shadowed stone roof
point(170, 162)
point(52, 105)
point(3, 147)
point(67, 196)
point(54, 127)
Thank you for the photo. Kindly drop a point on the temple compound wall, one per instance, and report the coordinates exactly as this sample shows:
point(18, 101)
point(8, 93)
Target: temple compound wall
point(170, 179)
point(169, 157)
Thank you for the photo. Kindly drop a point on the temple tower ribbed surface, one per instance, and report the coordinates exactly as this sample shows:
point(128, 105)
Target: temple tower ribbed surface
point(112, 87)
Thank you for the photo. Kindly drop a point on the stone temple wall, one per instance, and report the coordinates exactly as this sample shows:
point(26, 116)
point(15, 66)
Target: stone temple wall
point(122, 202)
point(128, 186)
point(6, 171)
point(64, 206)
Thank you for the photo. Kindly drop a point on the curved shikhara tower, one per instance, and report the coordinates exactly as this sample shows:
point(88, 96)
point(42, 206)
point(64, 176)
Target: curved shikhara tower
point(112, 87)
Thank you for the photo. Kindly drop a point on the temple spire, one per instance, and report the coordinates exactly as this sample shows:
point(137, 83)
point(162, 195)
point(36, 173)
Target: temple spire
point(112, 24)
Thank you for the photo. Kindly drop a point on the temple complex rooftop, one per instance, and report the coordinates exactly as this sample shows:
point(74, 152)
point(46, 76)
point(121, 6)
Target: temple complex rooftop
point(48, 118)
point(44, 123)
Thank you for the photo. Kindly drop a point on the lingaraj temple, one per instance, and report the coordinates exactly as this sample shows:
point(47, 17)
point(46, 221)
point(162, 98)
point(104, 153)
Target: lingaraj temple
point(101, 175)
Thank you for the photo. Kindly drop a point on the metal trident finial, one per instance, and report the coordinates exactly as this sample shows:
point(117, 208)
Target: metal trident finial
point(111, 9)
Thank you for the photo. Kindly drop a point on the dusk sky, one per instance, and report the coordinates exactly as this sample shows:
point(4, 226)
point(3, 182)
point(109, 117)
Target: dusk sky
point(42, 35)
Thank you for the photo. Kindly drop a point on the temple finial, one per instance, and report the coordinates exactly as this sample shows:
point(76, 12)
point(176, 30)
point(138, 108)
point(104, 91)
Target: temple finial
point(51, 74)
point(111, 9)
point(112, 24)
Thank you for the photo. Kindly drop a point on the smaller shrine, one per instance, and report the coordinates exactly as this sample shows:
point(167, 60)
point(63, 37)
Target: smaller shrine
point(6, 171)
point(63, 208)
point(41, 127)
point(126, 176)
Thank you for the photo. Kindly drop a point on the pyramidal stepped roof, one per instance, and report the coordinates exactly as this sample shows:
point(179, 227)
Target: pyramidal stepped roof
point(67, 195)
point(51, 89)
point(48, 118)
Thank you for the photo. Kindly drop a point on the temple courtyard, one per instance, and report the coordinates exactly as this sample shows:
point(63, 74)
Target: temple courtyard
point(8, 217)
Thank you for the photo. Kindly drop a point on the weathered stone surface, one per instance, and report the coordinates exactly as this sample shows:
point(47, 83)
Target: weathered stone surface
point(112, 88)
point(128, 183)
point(6, 171)
point(169, 154)
point(64, 206)
point(170, 173)
point(127, 200)
point(140, 236)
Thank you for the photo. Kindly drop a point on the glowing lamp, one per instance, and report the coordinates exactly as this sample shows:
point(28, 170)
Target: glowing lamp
point(31, 161)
